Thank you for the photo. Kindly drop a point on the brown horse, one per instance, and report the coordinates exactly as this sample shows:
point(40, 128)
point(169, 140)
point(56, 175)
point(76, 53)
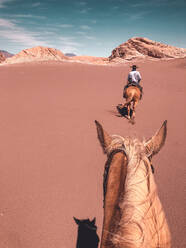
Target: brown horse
point(133, 214)
point(132, 95)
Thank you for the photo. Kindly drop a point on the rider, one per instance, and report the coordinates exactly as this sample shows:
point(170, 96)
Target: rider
point(133, 79)
point(134, 76)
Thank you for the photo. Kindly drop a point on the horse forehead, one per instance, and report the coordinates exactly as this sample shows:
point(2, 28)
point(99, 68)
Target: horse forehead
point(127, 141)
point(127, 144)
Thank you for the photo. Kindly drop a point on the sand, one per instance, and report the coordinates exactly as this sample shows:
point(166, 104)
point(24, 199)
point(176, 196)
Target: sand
point(51, 163)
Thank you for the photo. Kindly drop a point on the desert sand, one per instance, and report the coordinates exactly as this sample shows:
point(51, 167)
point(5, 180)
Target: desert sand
point(51, 163)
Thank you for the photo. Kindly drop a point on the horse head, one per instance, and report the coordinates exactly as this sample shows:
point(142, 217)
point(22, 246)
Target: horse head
point(133, 215)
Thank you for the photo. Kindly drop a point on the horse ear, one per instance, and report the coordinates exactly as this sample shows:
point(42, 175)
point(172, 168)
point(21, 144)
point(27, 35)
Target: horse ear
point(104, 138)
point(154, 144)
point(77, 221)
point(93, 221)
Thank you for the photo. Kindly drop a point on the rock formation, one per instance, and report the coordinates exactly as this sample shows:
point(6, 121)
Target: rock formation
point(2, 57)
point(133, 49)
point(36, 54)
point(6, 54)
point(137, 48)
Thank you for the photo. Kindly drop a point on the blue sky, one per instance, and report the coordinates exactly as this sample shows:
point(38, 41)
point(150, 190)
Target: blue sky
point(89, 27)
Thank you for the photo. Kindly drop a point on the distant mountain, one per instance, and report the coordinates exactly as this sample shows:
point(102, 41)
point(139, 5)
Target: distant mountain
point(70, 54)
point(6, 54)
point(36, 54)
point(133, 49)
point(45, 54)
point(145, 48)
point(2, 57)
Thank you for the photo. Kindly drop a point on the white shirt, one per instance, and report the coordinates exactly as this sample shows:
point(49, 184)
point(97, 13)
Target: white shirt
point(134, 76)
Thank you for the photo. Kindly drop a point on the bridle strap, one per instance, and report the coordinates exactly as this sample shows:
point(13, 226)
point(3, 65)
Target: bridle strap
point(113, 152)
point(107, 167)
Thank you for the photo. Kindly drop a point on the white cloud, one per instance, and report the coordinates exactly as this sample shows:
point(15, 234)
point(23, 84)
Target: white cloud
point(84, 11)
point(3, 3)
point(36, 4)
point(68, 45)
point(99, 43)
point(84, 35)
point(20, 36)
point(137, 16)
point(81, 33)
point(48, 28)
point(82, 3)
point(7, 23)
point(142, 4)
point(12, 32)
point(69, 49)
point(157, 3)
point(26, 16)
point(90, 37)
point(66, 26)
point(85, 27)
point(69, 41)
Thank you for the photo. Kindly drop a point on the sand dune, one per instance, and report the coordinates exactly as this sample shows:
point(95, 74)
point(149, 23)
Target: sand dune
point(51, 163)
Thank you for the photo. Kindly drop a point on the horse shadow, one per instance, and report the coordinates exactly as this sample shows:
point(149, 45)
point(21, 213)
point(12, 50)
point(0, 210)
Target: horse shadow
point(123, 111)
point(87, 233)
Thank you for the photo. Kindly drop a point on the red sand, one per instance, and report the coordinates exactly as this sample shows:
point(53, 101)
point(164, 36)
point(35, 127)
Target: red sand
point(51, 163)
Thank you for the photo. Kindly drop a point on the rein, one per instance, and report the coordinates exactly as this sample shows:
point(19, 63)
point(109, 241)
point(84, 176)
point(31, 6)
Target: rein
point(107, 167)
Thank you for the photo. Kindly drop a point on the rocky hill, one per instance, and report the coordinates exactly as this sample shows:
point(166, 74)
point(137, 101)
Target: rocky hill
point(36, 54)
point(2, 57)
point(136, 48)
point(50, 54)
point(6, 54)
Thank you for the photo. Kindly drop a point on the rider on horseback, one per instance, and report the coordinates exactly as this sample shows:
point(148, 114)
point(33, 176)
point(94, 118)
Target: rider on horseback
point(132, 93)
point(134, 79)
point(134, 76)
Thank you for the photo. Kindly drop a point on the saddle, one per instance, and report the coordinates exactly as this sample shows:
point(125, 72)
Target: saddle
point(135, 85)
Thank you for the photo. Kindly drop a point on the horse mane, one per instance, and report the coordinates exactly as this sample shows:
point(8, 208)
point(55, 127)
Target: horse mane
point(142, 217)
